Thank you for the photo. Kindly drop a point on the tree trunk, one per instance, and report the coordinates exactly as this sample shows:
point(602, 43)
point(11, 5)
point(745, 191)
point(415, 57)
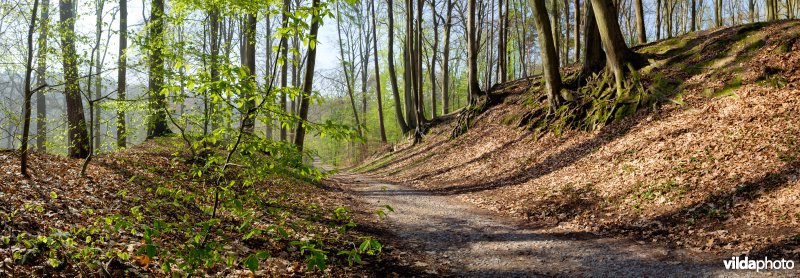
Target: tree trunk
point(435, 48)
point(26, 125)
point(99, 78)
point(500, 26)
point(577, 38)
point(446, 60)
point(308, 80)
point(268, 74)
point(157, 125)
point(78, 138)
point(41, 79)
point(594, 59)
point(363, 47)
point(694, 17)
point(398, 109)
point(487, 85)
point(249, 62)
point(640, 30)
point(552, 77)
point(556, 29)
point(285, 66)
point(472, 56)
point(344, 68)
point(377, 73)
point(618, 55)
point(566, 35)
point(411, 116)
point(658, 19)
point(418, 71)
point(211, 108)
point(122, 65)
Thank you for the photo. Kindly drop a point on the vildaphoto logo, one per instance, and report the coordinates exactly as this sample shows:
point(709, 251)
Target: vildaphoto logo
point(736, 263)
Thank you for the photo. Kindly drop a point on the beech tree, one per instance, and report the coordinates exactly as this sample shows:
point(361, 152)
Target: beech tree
point(78, 138)
point(122, 66)
point(309, 77)
point(472, 42)
point(28, 93)
point(552, 77)
point(41, 78)
point(618, 55)
point(398, 109)
point(157, 123)
point(377, 73)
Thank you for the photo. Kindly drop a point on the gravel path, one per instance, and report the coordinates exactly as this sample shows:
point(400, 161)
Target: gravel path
point(476, 243)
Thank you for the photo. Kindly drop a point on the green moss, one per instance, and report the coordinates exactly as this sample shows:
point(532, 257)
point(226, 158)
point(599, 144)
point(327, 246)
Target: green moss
point(510, 120)
point(728, 89)
point(747, 28)
point(758, 44)
point(786, 46)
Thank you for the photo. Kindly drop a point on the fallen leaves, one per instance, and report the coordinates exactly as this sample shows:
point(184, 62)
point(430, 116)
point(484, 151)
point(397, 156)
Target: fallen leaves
point(733, 160)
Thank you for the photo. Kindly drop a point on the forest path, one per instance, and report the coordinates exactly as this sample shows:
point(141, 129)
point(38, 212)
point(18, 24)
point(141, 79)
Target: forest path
point(472, 242)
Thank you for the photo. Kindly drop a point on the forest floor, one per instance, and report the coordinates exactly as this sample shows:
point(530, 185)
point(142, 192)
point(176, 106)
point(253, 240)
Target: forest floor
point(59, 224)
point(711, 167)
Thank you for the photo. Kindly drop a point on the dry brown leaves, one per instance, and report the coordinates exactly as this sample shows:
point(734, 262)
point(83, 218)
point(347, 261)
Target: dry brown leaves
point(718, 174)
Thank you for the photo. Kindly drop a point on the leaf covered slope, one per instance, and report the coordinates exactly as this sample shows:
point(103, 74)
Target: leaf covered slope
point(710, 164)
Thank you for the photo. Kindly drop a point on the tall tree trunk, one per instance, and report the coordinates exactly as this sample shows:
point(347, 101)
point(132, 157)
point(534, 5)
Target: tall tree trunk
point(641, 34)
point(268, 74)
point(472, 42)
point(295, 83)
point(363, 51)
point(211, 108)
point(549, 54)
point(99, 78)
point(618, 55)
point(344, 69)
point(718, 12)
point(658, 19)
point(446, 60)
point(41, 78)
point(487, 85)
point(249, 62)
point(308, 80)
point(398, 109)
point(434, 49)
point(502, 43)
point(122, 65)
point(78, 138)
point(157, 124)
point(668, 5)
point(408, 93)
point(556, 29)
point(594, 58)
point(26, 125)
point(694, 17)
point(377, 73)
point(418, 71)
point(577, 38)
point(285, 66)
point(566, 35)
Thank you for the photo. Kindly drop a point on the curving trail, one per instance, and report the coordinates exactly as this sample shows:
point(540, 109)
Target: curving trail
point(472, 242)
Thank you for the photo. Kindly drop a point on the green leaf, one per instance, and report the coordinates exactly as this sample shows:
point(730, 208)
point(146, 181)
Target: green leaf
point(53, 195)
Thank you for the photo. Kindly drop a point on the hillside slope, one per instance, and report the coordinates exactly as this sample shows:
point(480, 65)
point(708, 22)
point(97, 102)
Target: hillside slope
point(139, 213)
point(711, 166)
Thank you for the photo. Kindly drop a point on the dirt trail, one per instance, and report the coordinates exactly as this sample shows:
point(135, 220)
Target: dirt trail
point(472, 242)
